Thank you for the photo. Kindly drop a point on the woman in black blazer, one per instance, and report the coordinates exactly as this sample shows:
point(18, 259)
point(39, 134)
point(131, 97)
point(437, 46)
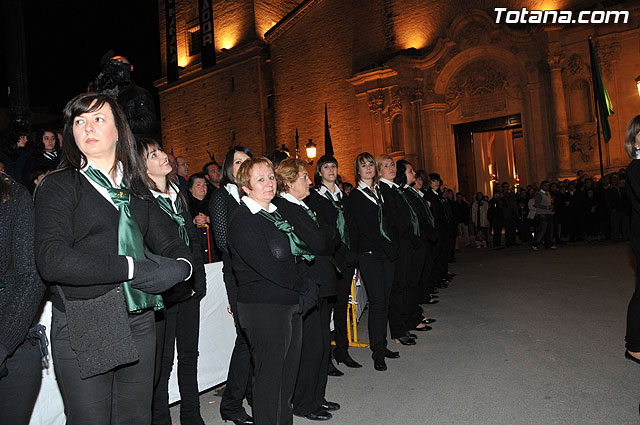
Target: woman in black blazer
point(404, 221)
point(327, 201)
point(181, 322)
point(222, 205)
point(273, 291)
point(293, 186)
point(371, 237)
point(93, 220)
point(421, 261)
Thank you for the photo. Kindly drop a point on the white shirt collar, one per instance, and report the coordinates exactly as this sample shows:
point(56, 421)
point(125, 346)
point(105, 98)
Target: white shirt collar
point(335, 195)
point(289, 197)
point(388, 182)
point(172, 195)
point(255, 207)
point(233, 191)
point(101, 190)
point(362, 185)
point(414, 190)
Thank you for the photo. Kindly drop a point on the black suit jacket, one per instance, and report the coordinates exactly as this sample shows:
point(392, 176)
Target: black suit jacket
point(77, 236)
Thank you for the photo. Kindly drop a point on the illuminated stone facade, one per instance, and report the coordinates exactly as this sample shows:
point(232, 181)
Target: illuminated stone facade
point(442, 85)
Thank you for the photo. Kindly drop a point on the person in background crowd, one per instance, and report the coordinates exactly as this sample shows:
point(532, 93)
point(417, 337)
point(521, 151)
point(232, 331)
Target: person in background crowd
point(544, 217)
point(510, 212)
point(327, 201)
point(181, 322)
point(213, 174)
point(21, 291)
point(496, 217)
point(47, 150)
point(347, 188)
point(274, 290)
point(632, 147)
point(479, 209)
point(183, 167)
point(16, 155)
point(95, 223)
point(222, 205)
point(198, 201)
point(293, 186)
point(276, 156)
point(462, 213)
point(371, 237)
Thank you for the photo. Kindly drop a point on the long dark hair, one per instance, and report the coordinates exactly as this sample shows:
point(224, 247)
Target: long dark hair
point(133, 168)
point(40, 135)
point(227, 165)
point(401, 172)
point(143, 146)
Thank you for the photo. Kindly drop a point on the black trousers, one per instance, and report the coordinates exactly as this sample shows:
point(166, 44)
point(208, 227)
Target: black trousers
point(340, 309)
point(377, 274)
point(314, 360)
point(19, 388)
point(274, 333)
point(399, 301)
point(238, 386)
point(239, 377)
point(182, 326)
point(121, 396)
point(419, 271)
point(632, 337)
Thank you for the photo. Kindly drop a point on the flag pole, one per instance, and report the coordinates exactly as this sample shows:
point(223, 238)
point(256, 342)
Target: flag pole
point(595, 100)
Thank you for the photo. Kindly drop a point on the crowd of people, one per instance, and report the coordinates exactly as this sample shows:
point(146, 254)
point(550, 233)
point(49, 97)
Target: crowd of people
point(119, 232)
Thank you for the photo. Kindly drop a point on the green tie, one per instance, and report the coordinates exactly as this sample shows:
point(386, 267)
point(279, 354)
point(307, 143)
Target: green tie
point(381, 220)
point(312, 215)
point(432, 221)
point(341, 223)
point(299, 249)
point(130, 242)
point(165, 204)
point(414, 217)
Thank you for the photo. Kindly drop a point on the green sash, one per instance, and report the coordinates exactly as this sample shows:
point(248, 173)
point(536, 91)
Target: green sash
point(130, 242)
point(299, 249)
point(432, 220)
point(414, 217)
point(381, 220)
point(341, 223)
point(165, 204)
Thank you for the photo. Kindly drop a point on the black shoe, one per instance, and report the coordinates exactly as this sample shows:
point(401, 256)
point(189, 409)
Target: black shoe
point(405, 340)
point(318, 415)
point(380, 364)
point(443, 284)
point(348, 362)
point(410, 335)
point(423, 329)
point(428, 321)
point(434, 296)
point(246, 421)
point(330, 406)
point(628, 355)
point(333, 371)
point(391, 354)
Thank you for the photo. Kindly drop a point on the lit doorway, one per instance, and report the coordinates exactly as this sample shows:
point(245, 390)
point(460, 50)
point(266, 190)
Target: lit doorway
point(487, 152)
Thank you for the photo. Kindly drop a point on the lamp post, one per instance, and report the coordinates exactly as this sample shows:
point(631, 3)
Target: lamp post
point(310, 147)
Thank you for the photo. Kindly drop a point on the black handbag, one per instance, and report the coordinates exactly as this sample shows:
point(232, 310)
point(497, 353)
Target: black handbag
point(99, 332)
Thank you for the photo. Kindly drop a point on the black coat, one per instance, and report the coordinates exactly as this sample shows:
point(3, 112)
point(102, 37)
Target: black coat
point(321, 240)
point(77, 236)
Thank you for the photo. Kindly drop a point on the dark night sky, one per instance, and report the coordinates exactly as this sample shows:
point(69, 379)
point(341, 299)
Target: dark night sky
point(65, 41)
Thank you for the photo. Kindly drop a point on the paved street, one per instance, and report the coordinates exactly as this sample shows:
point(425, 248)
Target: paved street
point(522, 337)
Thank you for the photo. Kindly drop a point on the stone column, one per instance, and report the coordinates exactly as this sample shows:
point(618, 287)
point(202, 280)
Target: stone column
point(560, 128)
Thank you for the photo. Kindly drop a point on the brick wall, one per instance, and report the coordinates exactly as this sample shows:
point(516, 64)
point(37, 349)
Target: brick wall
point(311, 64)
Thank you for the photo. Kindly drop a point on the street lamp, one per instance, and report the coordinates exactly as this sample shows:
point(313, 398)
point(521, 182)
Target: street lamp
point(310, 147)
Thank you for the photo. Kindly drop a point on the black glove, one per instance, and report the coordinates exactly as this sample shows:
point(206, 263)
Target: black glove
point(309, 298)
point(156, 274)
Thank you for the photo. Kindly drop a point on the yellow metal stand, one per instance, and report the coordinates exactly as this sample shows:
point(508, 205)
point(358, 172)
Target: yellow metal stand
point(352, 319)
